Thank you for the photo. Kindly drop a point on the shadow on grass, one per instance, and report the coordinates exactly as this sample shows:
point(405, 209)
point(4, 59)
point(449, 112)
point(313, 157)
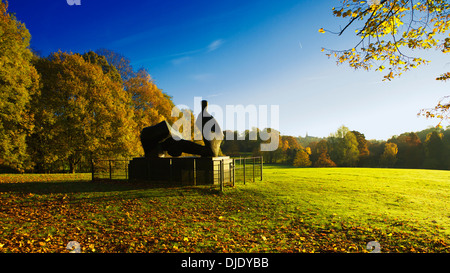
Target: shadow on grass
point(103, 186)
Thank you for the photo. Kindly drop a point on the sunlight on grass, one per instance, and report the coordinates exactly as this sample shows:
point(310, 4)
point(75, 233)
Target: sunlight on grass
point(366, 195)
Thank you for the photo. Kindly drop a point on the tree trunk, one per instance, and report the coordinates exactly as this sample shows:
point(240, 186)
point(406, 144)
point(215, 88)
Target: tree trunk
point(71, 167)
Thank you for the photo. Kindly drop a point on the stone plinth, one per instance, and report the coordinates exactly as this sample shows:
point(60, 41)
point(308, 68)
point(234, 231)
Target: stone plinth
point(181, 170)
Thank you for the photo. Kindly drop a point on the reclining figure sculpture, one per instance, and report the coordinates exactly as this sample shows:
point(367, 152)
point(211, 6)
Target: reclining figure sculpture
point(161, 138)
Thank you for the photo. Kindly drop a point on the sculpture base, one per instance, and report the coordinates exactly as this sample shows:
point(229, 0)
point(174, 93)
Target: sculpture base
point(182, 171)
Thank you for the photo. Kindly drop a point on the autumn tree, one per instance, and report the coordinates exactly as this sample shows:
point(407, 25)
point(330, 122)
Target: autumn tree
point(291, 141)
point(119, 61)
point(230, 145)
point(107, 68)
point(362, 143)
point(344, 147)
point(323, 158)
point(446, 140)
point(279, 155)
point(435, 151)
point(249, 141)
point(150, 104)
point(410, 150)
point(18, 83)
point(389, 156)
point(314, 153)
point(302, 158)
point(322, 146)
point(390, 31)
point(423, 134)
point(376, 148)
point(350, 150)
point(81, 112)
point(274, 156)
point(289, 147)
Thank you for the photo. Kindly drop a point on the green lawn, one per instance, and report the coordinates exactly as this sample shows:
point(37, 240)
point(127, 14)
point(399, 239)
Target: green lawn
point(292, 210)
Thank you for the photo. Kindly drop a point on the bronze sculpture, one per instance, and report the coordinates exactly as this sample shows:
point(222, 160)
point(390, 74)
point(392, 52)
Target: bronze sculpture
point(161, 138)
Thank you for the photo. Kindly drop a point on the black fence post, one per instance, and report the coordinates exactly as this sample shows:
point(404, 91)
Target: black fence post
point(93, 169)
point(170, 171)
point(110, 170)
point(195, 172)
point(262, 159)
point(244, 169)
point(234, 171)
point(230, 165)
point(222, 174)
point(254, 169)
point(126, 168)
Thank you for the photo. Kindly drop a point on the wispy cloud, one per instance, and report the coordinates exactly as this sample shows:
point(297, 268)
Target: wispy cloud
point(187, 55)
point(214, 95)
point(202, 77)
point(181, 60)
point(182, 57)
point(215, 45)
point(176, 58)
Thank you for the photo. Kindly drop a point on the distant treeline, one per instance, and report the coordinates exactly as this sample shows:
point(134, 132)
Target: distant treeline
point(429, 149)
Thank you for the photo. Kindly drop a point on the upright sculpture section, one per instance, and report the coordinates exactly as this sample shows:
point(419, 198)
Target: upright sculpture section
point(203, 167)
point(211, 133)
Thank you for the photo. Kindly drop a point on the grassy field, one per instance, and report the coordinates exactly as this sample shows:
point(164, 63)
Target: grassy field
point(292, 210)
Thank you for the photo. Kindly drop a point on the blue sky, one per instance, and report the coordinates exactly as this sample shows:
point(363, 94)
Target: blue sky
point(232, 52)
